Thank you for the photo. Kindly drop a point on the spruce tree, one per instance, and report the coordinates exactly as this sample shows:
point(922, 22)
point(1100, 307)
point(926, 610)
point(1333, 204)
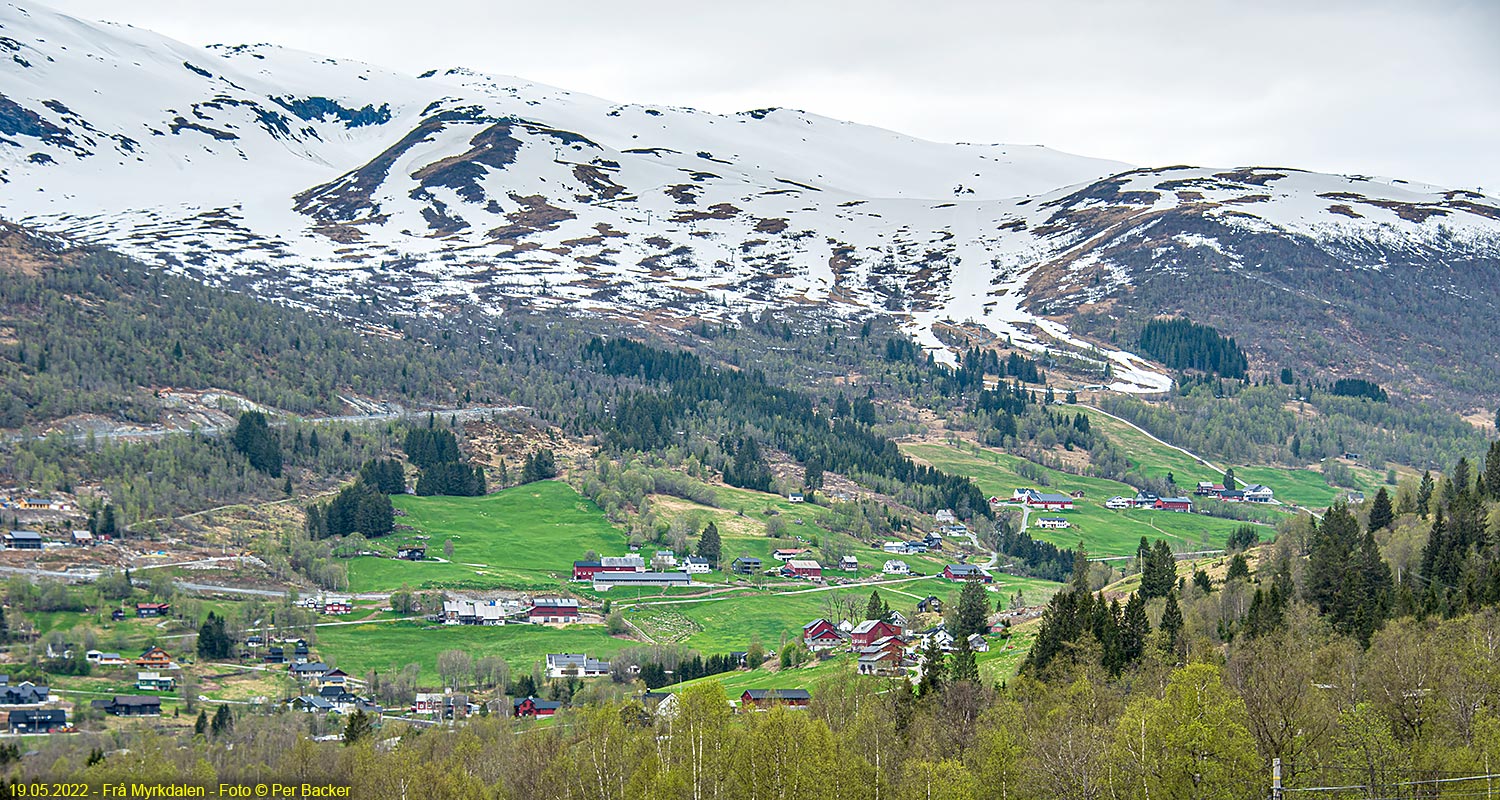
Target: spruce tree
point(963, 666)
point(1229, 481)
point(932, 669)
point(709, 546)
point(1381, 514)
point(1424, 494)
point(200, 728)
point(972, 611)
point(875, 609)
point(1171, 622)
point(223, 721)
point(1134, 628)
point(1238, 568)
point(1492, 471)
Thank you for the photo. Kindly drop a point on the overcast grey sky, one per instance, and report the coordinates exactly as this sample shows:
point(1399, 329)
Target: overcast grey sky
point(1376, 87)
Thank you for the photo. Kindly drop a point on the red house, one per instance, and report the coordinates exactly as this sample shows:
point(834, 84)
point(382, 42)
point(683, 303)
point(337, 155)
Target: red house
point(871, 631)
point(820, 634)
point(1182, 504)
point(535, 708)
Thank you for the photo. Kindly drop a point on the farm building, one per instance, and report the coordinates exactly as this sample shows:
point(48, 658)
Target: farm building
point(412, 552)
point(1118, 502)
point(1180, 504)
point(965, 572)
point(470, 612)
point(1045, 501)
point(765, 698)
point(605, 581)
point(553, 609)
point(578, 665)
point(871, 630)
point(1056, 523)
point(803, 568)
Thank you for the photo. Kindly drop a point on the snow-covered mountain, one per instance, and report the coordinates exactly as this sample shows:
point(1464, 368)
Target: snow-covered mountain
point(302, 177)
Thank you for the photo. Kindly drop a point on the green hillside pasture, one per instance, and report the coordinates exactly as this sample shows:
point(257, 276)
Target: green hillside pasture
point(525, 537)
point(1104, 532)
point(729, 623)
point(1305, 487)
point(1302, 487)
point(746, 535)
point(808, 676)
point(388, 647)
point(1156, 459)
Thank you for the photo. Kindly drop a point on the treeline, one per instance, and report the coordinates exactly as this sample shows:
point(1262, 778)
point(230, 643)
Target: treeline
point(171, 475)
point(1182, 344)
point(92, 331)
point(696, 397)
point(1261, 424)
point(444, 469)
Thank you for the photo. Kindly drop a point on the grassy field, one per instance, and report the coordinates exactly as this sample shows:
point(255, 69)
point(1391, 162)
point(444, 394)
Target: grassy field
point(728, 623)
point(1104, 532)
point(391, 646)
point(745, 534)
point(1301, 487)
point(523, 538)
point(1156, 459)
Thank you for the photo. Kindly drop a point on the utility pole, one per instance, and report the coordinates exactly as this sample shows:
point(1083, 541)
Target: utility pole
point(1276, 779)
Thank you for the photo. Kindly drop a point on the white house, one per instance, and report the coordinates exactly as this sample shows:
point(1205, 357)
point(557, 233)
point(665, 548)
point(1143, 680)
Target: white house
point(795, 497)
point(1053, 522)
point(945, 516)
point(1259, 494)
point(696, 565)
point(1118, 502)
point(849, 564)
point(894, 567)
point(894, 547)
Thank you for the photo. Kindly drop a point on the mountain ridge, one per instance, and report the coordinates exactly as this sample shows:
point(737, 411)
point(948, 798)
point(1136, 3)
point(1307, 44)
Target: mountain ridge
point(290, 175)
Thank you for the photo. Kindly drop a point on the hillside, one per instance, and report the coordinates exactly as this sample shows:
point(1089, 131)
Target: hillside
point(323, 181)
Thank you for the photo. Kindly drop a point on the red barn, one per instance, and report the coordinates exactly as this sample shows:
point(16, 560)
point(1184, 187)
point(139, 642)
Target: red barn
point(1174, 504)
point(805, 569)
point(872, 630)
point(765, 698)
point(553, 609)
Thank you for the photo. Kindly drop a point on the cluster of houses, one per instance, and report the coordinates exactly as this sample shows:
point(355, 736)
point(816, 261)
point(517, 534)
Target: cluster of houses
point(539, 610)
point(931, 541)
point(1250, 494)
point(32, 540)
point(1151, 500)
point(22, 708)
point(152, 657)
point(884, 646)
point(35, 503)
point(328, 604)
point(326, 690)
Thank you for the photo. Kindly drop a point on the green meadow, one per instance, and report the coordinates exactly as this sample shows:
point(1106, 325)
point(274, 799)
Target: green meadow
point(525, 538)
point(1104, 532)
